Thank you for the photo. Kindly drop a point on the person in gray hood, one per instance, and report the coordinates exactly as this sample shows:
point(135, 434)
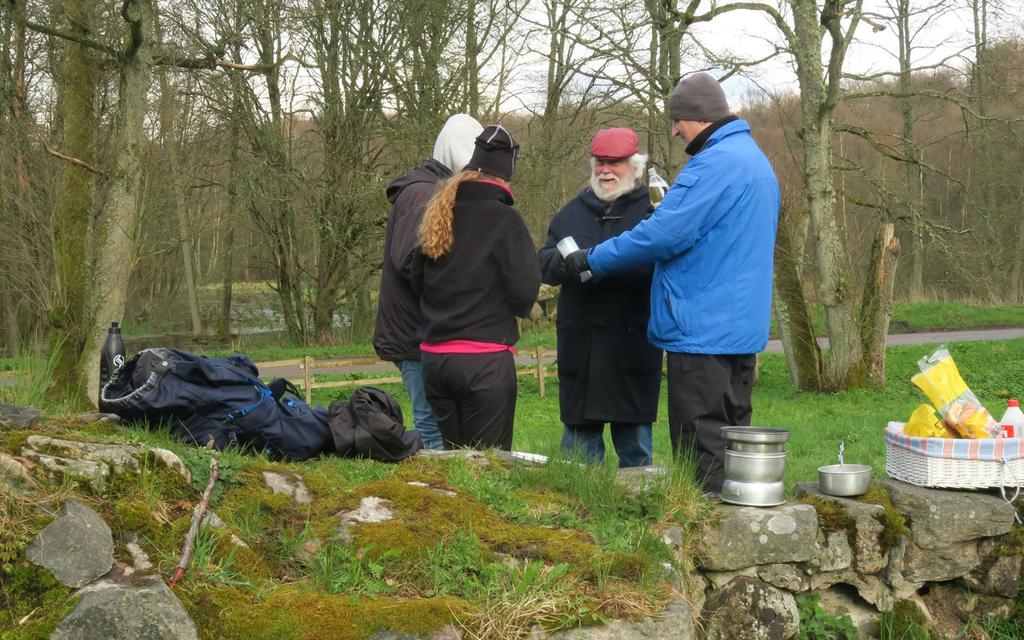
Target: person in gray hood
point(398, 310)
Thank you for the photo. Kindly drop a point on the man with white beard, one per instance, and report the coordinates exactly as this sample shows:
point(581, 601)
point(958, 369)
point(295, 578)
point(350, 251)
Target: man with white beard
point(607, 370)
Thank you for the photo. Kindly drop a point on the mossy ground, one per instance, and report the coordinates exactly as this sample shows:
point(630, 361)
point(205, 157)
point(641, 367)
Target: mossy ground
point(513, 547)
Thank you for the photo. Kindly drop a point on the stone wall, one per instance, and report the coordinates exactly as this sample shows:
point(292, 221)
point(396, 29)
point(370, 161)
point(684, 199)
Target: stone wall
point(944, 552)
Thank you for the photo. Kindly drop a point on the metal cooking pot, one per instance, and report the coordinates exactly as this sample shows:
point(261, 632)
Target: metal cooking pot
point(754, 467)
point(754, 494)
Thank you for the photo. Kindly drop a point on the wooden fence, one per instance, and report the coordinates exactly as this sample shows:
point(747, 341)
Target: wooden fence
point(308, 365)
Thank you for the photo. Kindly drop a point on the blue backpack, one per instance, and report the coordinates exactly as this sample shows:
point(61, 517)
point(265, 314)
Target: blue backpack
point(218, 399)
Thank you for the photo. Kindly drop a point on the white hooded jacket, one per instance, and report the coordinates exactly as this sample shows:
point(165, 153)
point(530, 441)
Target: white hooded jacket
point(456, 141)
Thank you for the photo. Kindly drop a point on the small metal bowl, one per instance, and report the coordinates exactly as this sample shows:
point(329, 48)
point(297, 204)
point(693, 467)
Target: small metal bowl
point(844, 480)
point(754, 494)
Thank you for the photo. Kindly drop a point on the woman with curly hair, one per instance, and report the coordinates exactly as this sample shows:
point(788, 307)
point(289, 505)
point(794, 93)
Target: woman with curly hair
point(475, 271)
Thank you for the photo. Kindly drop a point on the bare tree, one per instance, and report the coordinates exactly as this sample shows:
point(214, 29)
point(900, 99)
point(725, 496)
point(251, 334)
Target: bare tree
point(169, 134)
point(70, 324)
point(108, 290)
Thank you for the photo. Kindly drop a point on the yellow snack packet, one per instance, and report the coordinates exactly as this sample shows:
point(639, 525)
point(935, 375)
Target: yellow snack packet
point(924, 423)
point(960, 409)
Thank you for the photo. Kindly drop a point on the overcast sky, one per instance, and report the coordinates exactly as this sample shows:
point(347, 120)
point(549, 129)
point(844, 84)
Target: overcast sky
point(750, 35)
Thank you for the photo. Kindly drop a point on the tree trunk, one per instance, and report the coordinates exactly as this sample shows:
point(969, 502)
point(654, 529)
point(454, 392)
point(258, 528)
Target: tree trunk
point(803, 355)
point(271, 143)
point(224, 327)
point(876, 307)
point(69, 320)
point(836, 290)
point(1017, 270)
point(913, 172)
point(12, 114)
point(109, 290)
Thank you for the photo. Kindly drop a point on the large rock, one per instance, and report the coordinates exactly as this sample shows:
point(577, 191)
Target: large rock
point(146, 610)
point(902, 588)
point(94, 473)
point(93, 461)
point(871, 588)
point(741, 537)
point(833, 552)
point(752, 610)
point(996, 575)
point(675, 623)
point(939, 564)
point(939, 518)
point(950, 606)
point(784, 576)
point(15, 474)
point(14, 417)
point(838, 602)
point(718, 579)
point(77, 547)
point(867, 527)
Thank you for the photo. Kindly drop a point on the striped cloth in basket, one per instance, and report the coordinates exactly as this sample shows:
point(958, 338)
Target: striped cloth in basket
point(956, 448)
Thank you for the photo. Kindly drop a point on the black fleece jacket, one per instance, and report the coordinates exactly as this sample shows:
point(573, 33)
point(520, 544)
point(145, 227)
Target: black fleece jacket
point(488, 277)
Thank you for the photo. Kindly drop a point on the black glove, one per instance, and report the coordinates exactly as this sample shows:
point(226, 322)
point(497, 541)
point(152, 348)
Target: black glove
point(577, 263)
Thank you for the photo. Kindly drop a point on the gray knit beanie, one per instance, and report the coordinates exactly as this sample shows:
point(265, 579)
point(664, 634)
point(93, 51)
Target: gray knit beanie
point(698, 98)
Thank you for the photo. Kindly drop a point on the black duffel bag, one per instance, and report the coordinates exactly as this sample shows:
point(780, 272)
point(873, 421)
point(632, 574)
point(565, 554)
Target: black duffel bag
point(221, 399)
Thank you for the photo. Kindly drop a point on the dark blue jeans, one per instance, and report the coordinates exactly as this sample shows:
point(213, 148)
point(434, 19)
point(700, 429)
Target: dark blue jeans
point(422, 415)
point(633, 443)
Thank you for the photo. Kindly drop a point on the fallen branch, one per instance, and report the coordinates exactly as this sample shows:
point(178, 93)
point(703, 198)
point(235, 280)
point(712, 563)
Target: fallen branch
point(193, 530)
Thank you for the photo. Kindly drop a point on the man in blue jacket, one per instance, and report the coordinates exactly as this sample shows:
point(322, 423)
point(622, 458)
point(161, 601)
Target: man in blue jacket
point(712, 241)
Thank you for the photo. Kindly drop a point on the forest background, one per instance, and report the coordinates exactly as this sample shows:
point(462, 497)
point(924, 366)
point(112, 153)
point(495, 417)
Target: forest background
point(219, 165)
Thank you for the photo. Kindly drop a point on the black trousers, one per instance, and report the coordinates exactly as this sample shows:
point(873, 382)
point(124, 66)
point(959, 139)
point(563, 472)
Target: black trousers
point(473, 397)
point(706, 393)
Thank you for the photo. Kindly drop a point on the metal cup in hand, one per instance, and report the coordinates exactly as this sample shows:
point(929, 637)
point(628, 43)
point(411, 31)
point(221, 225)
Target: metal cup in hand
point(568, 245)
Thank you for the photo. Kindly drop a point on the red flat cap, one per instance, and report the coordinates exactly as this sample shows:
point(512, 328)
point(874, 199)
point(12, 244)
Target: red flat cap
point(614, 144)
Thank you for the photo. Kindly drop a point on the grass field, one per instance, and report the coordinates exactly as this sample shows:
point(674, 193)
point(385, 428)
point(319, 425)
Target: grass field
point(817, 422)
point(256, 586)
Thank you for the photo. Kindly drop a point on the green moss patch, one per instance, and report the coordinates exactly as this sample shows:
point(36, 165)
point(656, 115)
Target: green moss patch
point(292, 613)
point(894, 524)
point(425, 515)
point(831, 515)
point(1012, 543)
point(33, 602)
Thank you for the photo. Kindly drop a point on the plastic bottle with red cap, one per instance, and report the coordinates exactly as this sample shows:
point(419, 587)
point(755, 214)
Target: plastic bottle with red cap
point(1012, 421)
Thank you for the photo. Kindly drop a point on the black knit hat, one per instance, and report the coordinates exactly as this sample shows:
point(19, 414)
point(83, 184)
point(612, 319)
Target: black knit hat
point(495, 153)
point(698, 98)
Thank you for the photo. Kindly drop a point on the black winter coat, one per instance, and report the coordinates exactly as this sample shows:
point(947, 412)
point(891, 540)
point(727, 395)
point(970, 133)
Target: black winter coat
point(607, 370)
point(487, 278)
point(398, 309)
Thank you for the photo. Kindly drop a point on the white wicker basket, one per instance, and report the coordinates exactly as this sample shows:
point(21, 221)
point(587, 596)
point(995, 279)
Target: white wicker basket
point(925, 471)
